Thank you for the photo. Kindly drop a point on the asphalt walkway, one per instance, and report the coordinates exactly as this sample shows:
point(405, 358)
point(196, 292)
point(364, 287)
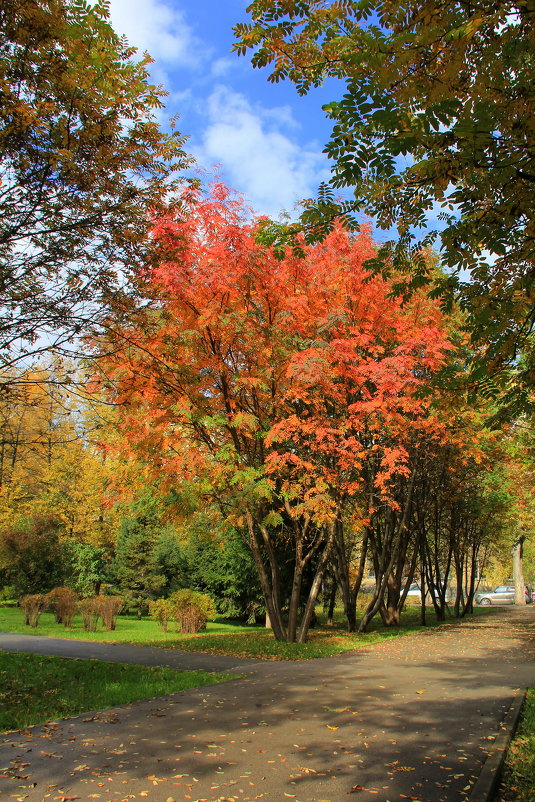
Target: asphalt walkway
point(411, 718)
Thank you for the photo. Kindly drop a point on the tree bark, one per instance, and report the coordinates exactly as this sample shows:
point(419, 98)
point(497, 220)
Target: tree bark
point(518, 571)
point(269, 588)
point(332, 602)
point(423, 621)
point(293, 613)
point(316, 585)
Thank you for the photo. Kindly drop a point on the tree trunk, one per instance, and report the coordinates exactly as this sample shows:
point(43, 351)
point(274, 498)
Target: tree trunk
point(269, 588)
point(423, 621)
point(349, 593)
point(518, 571)
point(394, 552)
point(316, 585)
point(332, 602)
point(390, 612)
point(459, 593)
point(469, 603)
point(293, 612)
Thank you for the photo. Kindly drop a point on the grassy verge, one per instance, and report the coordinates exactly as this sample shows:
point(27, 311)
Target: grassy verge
point(36, 689)
point(518, 782)
point(221, 637)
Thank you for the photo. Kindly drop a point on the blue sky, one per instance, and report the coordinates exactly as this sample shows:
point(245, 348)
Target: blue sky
point(266, 141)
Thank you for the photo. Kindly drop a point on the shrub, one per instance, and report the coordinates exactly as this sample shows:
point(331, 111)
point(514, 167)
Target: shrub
point(162, 610)
point(191, 610)
point(7, 593)
point(62, 602)
point(88, 608)
point(103, 607)
point(108, 608)
point(33, 605)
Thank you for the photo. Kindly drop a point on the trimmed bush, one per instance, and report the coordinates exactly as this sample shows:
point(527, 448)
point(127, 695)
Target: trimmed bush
point(191, 610)
point(33, 605)
point(108, 609)
point(62, 602)
point(89, 612)
point(104, 607)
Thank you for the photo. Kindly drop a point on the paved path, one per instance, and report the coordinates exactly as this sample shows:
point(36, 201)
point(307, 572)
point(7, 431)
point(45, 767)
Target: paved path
point(411, 718)
point(124, 653)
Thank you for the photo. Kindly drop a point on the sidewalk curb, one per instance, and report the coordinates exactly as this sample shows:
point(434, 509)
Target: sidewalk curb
point(488, 781)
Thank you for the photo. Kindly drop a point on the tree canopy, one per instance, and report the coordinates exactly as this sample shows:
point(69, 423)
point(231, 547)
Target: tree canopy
point(83, 164)
point(433, 133)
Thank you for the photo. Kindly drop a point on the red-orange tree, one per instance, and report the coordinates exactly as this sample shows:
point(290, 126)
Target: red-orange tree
point(273, 383)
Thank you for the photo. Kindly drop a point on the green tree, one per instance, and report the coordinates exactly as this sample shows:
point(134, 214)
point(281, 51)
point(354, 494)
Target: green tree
point(83, 163)
point(89, 566)
point(436, 115)
point(173, 565)
point(221, 565)
point(135, 569)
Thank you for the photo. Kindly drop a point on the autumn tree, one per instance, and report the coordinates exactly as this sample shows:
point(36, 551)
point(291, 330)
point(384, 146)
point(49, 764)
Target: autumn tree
point(83, 163)
point(51, 462)
point(272, 382)
point(459, 507)
point(434, 116)
point(518, 483)
point(31, 554)
point(33, 421)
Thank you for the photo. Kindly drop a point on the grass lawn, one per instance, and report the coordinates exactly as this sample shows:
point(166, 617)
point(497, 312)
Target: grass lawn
point(518, 782)
point(220, 637)
point(35, 689)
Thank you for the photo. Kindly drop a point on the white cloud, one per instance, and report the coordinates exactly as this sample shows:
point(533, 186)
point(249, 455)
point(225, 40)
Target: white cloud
point(223, 66)
point(154, 26)
point(256, 156)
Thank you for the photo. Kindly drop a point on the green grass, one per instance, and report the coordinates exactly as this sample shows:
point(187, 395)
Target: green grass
point(36, 689)
point(518, 782)
point(220, 637)
point(130, 629)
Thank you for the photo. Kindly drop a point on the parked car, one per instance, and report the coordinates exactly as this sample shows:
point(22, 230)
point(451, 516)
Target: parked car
point(414, 593)
point(503, 594)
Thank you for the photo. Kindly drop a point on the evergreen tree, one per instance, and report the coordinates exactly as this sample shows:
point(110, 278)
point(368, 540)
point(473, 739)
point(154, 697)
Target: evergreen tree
point(221, 565)
point(171, 561)
point(136, 570)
